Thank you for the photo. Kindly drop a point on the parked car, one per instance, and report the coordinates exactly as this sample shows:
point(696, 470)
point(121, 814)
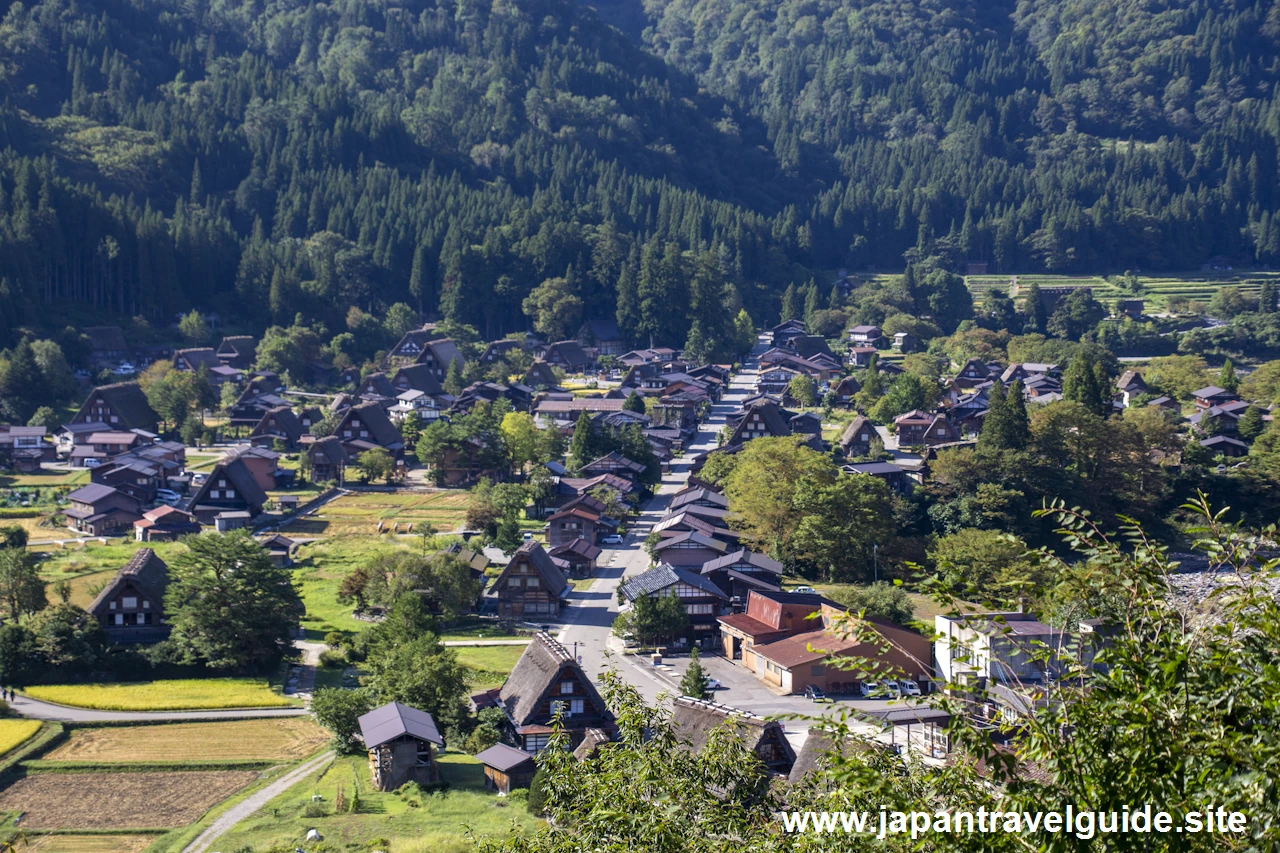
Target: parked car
point(527, 536)
point(92, 463)
point(872, 690)
point(714, 684)
point(815, 693)
point(168, 496)
point(807, 590)
point(612, 539)
point(198, 479)
point(909, 688)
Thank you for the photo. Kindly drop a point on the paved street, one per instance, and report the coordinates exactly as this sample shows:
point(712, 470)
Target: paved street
point(592, 612)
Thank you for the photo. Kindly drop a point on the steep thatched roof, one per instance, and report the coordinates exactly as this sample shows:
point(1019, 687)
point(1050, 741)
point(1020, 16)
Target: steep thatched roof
point(542, 667)
point(695, 719)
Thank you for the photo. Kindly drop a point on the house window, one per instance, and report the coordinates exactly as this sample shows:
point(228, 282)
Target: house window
point(566, 687)
point(532, 583)
point(699, 609)
point(230, 493)
point(536, 743)
point(576, 706)
point(817, 669)
point(146, 605)
point(222, 482)
point(119, 618)
point(129, 602)
point(214, 494)
point(112, 606)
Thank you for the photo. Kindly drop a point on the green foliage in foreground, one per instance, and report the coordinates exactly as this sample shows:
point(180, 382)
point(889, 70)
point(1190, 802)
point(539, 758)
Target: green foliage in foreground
point(1177, 711)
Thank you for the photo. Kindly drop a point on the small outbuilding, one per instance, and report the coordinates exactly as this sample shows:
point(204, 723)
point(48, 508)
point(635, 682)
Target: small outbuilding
point(402, 743)
point(506, 768)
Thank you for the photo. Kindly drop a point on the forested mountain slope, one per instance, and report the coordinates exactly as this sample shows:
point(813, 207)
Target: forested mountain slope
point(454, 154)
point(1060, 134)
point(309, 157)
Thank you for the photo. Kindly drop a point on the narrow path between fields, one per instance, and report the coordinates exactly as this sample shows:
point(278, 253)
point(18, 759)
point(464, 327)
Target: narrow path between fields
point(38, 710)
point(252, 803)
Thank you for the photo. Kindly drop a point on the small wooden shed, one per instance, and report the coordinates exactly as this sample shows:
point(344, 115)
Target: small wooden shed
point(402, 743)
point(506, 768)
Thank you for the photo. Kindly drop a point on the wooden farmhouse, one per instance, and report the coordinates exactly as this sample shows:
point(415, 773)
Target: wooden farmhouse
point(402, 743)
point(547, 681)
point(130, 608)
point(531, 586)
point(506, 768)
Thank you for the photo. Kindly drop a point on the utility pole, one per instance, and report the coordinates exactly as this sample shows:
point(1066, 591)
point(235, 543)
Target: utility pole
point(875, 561)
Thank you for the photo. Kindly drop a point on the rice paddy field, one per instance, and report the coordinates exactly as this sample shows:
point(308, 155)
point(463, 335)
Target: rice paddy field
point(119, 800)
point(1157, 291)
point(277, 739)
point(430, 823)
point(14, 733)
point(174, 695)
point(404, 512)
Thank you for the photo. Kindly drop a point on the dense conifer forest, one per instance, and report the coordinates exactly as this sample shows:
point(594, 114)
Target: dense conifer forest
point(270, 160)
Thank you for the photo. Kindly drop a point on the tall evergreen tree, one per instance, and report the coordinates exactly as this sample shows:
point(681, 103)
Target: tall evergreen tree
point(1227, 379)
point(628, 303)
point(810, 302)
point(582, 447)
point(1033, 307)
point(995, 425)
point(1017, 421)
point(790, 304)
point(1080, 384)
point(695, 683)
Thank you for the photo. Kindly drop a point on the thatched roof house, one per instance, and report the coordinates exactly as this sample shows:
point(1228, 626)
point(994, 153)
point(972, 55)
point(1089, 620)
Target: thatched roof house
point(547, 680)
point(695, 719)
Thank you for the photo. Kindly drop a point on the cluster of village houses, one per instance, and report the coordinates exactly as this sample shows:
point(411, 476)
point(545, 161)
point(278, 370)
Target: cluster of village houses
point(732, 594)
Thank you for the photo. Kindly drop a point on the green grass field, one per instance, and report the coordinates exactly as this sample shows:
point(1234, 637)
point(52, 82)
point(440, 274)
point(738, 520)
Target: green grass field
point(319, 571)
point(176, 695)
point(435, 822)
point(88, 567)
point(49, 479)
point(492, 663)
point(361, 513)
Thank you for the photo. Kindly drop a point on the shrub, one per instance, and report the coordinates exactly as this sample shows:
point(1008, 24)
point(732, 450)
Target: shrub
point(314, 810)
point(332, 658)
point(336, 639)
point(537, 795)
point(484, 736)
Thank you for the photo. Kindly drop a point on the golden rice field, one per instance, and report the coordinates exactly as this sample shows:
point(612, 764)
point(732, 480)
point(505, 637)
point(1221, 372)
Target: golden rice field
point(14, 733)
point(280, 738)
point(187, 694)
point(361, 513)
point(87, 844)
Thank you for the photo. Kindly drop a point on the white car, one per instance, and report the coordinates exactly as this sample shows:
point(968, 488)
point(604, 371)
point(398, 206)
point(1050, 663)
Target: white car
point(168, 496)
point(199, 479)
point(92, 463)
point(872, 690)
point(612, 539)
point(714, 684)
point(806, 590)
point(909, 688)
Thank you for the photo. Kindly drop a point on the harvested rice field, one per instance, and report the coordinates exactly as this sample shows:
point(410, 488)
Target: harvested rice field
point(119, 800)
point(283, 739)
point(402, 512)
